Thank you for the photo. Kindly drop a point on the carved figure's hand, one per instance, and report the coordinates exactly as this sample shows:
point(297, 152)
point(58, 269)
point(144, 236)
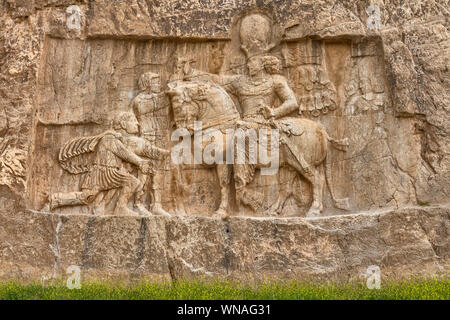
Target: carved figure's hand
point(165, 153)
point(145, 166)
point(273, 123)
point(191, 130)
point(267, 112)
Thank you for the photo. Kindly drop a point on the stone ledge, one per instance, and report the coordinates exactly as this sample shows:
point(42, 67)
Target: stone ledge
point(402, 242)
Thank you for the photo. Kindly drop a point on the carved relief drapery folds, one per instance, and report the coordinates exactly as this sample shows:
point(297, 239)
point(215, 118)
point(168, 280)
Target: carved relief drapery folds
point(102, 160)
point(309, 90)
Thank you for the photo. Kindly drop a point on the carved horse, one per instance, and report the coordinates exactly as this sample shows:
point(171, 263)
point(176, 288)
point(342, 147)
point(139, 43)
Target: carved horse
point(209, 103)
point(304, 144)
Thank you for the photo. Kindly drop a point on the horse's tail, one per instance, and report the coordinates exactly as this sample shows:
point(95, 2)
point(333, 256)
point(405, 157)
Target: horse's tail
point(343, 146)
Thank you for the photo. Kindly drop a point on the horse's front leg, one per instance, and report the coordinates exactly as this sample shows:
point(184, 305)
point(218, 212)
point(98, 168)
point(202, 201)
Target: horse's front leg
point(180, 189)
point(224, 174)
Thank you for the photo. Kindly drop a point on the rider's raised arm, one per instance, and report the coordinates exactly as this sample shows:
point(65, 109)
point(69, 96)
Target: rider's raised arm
point(228, 82)
point(286, 95)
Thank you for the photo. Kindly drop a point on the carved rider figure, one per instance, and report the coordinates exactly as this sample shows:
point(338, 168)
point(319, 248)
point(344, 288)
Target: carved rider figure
point(266, 100)
point(258, 93)
point(148, 107)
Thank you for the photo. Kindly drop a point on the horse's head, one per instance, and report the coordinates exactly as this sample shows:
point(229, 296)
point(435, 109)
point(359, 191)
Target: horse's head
point(188, 99)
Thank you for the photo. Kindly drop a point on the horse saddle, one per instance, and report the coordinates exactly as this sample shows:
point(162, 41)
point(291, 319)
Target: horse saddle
point(290, 128)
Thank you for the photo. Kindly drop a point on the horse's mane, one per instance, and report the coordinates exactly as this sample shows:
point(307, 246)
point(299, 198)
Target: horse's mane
point(199, 95)
point(198, 91)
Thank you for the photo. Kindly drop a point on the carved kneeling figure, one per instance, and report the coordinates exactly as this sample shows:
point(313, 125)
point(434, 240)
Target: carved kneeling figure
point(113, 149)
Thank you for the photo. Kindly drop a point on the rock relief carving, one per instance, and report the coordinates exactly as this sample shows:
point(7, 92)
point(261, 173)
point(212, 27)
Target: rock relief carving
point(315, 93)
point(365, 89)
point(197, 100)
point(268, 85)
point(103, 160)
point(304, 143)
point(152, 128)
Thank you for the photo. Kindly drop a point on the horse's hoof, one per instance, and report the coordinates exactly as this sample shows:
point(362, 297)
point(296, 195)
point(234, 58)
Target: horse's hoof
point(159, 211)
point(313, 213)
point(142, 210)
point(123, 211)
point(272, 214)
point(221, 213)
point(293, 215)
point(180, 213)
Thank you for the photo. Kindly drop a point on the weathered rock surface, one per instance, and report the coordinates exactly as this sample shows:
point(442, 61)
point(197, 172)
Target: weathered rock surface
point(410, 141)
point(410, 241)
point(390, 89)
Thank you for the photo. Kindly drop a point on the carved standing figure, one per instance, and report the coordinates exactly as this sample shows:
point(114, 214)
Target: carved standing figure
point(147, 106)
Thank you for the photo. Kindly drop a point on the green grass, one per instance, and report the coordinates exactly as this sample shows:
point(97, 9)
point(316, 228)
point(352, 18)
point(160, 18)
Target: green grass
point(401, 290)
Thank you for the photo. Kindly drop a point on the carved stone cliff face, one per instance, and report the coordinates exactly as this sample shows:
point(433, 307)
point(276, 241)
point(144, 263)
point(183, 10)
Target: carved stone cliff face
point(92, 91)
